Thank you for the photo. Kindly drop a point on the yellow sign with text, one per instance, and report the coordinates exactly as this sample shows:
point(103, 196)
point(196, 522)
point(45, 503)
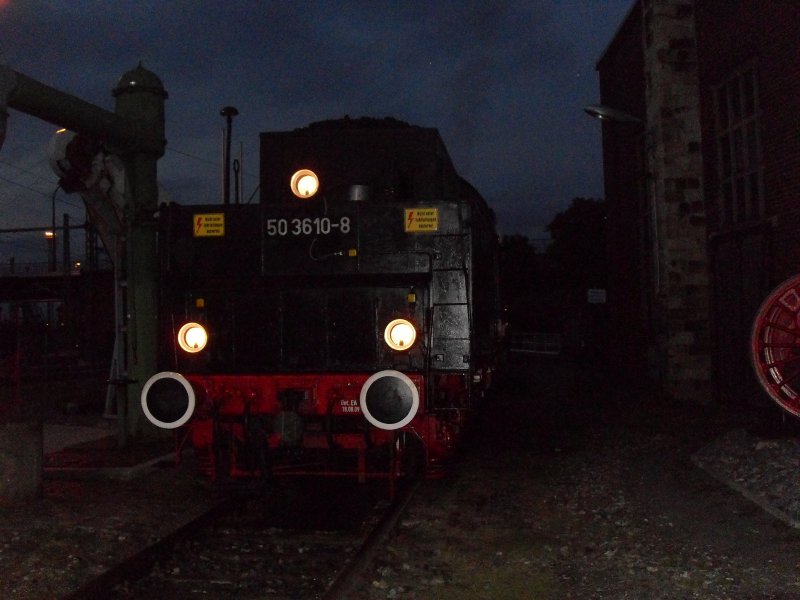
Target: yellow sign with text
point(421, 220)
point(209, 225)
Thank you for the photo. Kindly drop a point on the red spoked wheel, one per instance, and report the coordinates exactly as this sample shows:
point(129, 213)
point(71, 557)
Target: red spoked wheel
point(775, 345)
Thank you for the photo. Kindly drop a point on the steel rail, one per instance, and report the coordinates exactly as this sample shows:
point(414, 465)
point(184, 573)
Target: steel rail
point(345, 582)
point(141, 563)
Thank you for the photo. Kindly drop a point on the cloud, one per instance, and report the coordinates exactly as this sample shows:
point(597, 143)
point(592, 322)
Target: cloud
point(504, 82)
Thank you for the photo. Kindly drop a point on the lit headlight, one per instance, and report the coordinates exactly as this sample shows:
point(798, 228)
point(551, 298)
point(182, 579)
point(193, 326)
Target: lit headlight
point(192, 337)
point(400, 334)
point(304, 183)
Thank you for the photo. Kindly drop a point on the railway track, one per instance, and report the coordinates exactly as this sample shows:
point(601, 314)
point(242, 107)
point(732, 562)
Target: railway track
point(307, 539)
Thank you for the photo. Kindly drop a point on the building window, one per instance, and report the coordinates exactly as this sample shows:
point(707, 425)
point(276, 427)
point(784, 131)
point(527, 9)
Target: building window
point(741, 197)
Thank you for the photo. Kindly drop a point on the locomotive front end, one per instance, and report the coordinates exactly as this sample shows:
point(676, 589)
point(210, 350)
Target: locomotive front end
point(329, 329)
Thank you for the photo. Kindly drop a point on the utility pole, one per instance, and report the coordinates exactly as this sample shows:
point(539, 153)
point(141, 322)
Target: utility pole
point(228, 112)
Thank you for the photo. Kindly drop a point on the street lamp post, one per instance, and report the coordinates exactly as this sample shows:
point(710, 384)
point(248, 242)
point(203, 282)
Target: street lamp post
point(50, 238)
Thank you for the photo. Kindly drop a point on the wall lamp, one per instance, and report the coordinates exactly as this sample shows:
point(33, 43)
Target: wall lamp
point(614, 115)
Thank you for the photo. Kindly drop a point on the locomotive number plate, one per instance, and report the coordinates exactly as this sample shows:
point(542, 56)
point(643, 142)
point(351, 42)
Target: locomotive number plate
point(308, 226)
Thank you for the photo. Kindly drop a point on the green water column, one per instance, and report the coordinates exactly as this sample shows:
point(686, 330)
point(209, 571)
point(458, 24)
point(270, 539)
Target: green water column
point(140, 99)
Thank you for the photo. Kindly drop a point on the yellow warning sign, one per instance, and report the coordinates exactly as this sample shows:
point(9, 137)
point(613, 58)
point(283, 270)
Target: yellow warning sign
point(421, 219)
point(209, 225)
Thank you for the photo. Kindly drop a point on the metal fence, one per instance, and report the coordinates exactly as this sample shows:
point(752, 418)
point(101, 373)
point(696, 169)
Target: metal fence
point(24, 268)
point(47, 250)
point(536, 343)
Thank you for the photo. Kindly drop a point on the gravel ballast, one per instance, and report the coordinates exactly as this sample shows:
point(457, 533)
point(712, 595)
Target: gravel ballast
point(568, 488)
point(574, 490)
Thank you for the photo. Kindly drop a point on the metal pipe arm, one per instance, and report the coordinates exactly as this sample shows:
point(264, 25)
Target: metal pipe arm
point(8, 81)
point(20, 92)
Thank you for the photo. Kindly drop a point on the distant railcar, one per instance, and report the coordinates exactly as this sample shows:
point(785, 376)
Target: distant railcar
point(345, 325)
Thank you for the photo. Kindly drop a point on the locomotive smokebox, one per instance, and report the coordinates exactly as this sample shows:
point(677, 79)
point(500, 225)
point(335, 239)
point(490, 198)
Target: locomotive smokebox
point(168, 400)
point(389, 399)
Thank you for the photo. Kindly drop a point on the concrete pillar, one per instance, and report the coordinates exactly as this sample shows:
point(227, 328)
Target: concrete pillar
point(21, 456)
point(682, 288)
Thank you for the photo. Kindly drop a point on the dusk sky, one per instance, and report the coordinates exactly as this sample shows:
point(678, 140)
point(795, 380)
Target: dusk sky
point(504, 82)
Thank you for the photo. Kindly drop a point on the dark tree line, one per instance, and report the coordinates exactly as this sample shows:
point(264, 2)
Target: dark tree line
point(578, 249)
point(546, 291)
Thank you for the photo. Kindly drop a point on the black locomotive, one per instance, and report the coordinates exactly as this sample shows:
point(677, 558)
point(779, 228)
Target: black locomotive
point(344, 325)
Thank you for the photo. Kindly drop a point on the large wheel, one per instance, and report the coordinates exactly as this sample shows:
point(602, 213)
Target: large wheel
point(775, 345)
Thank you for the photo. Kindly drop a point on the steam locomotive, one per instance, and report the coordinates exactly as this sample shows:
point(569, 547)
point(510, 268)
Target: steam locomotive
point(345, 325)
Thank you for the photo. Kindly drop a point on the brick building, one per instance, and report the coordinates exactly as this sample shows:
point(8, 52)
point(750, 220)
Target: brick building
point(702, 175)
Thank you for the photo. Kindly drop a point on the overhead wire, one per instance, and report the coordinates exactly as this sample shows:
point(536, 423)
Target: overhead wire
point(198, 158)
point(38, 175)
point(25, 242)
point(218, 165)
point(27, 187)
point(23, 169)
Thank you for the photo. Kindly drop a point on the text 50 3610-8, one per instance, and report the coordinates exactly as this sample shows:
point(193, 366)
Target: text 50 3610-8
point(307, 226)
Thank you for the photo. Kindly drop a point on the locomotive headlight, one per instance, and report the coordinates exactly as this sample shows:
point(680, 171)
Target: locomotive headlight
point(192, 337)
point(400, 334)
point(304, 183)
